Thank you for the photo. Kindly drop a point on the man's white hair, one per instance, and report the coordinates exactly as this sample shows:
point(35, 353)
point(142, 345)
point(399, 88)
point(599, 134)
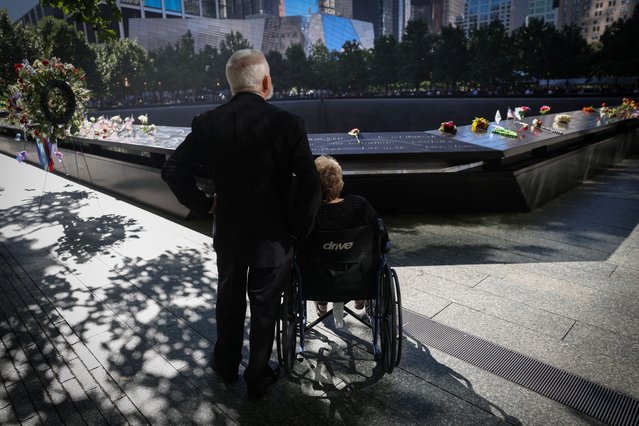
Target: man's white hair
point(245, 70)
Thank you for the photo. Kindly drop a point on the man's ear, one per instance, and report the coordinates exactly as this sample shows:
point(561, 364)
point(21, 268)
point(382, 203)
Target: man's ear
point(266, 82)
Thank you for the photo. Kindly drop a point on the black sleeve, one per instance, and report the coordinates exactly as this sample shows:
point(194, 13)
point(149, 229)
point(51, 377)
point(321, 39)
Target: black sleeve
point(307, 192)
point(179, 173)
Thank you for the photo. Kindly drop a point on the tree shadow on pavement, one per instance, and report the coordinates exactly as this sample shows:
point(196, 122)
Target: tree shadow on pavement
point(339, 381)
point(44, 373)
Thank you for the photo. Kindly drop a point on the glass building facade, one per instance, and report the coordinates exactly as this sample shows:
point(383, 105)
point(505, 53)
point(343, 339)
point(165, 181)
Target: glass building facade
point(545, 10)
point(263, 32)
point(481, 12)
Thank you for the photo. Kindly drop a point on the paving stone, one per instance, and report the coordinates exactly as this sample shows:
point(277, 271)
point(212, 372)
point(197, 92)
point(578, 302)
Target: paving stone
point(82, 402)
point(130, 412)
point(21, 402)
point(4, 395)
point(87, 357)
point(8, 416)
point(605, 342)
point(107, 384)
point(562, 299)
point(477, 299)
point(588, 364)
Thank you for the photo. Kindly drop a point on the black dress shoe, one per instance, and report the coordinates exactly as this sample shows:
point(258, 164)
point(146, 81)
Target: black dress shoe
point(256, 389)
point(226, 376)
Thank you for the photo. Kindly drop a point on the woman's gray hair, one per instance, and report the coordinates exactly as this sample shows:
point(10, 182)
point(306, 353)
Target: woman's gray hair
point(245, 70)
point(331, 177)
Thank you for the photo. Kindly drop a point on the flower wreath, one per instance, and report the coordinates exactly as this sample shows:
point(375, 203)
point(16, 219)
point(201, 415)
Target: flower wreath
point(68, 97)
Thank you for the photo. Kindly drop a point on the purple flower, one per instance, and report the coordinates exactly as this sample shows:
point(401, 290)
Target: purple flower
point(22, 156)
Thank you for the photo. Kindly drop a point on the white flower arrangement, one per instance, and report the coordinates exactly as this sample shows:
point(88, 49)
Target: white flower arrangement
point(103, 127)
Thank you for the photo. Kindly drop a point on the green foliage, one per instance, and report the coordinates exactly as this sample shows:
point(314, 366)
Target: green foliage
point(17, 43)
point(451, 58)
point(353, 69)
point(537, 48)
point(386, 62)
point(62, 40)
point(491, 54)
point(297, 66)
point(90, 12)
point(323, 65)
point(619, 50)
point(124, 67)
point(417, 47)
point(277, 64)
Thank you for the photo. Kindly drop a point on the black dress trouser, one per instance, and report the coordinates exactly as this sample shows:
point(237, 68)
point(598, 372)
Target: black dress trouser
point(264, 286)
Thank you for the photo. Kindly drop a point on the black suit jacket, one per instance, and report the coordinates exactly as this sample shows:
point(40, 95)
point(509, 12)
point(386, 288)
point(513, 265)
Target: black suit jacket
point(251, 149)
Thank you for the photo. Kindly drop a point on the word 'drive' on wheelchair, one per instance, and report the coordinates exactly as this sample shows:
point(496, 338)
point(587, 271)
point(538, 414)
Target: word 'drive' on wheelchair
point(340, 266)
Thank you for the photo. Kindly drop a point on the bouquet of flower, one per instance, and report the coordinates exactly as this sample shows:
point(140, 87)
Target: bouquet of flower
point(588, 109)
point(498, 130)
point(480, 125)
point(102, 127)
point(355, 133)
point(448, 128)
point(544, 109)
point(521, 111)
point(147, 129)
point(563, 118)
point(536, 122)
point(628, 106)
point(48, 96)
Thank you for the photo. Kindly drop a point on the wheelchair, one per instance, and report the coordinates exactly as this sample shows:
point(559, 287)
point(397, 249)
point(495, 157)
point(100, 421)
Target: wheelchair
point(340, 266)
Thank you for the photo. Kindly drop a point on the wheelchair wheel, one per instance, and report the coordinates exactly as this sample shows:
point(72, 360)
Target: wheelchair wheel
point(400, 329)
point(287, 326)
point(390, 329)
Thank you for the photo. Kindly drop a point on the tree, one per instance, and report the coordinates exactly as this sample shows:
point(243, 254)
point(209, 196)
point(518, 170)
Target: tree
point(353, 68)
point(451, 57)
point(417, 48)
point(323, 65)
point(63, 41)
point(297, 66)
point(386, 62)
point(232, 42)
point(277, 64)
point(17, 43)
point(125, 67)
point(491, 61)
point(581, 54)
point(619, 51)
point(536, 47)
point(90, 12)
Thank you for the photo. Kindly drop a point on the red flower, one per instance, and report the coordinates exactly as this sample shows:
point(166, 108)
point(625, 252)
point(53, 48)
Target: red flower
point(23, 119)
point(37, 133)
point(75, 71)
point(45, 62)
point(603, 104)
point(17, 67)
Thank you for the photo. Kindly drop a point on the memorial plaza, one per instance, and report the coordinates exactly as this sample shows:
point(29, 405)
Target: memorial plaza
point(107, 313)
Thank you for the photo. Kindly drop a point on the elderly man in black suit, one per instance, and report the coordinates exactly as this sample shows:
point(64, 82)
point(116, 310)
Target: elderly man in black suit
point(267, 193)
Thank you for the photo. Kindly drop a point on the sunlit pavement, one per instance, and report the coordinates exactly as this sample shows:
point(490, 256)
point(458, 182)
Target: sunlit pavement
point(107, 313)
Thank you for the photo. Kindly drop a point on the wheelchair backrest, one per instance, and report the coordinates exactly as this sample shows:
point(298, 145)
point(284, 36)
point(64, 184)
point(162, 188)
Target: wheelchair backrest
point(340, 265)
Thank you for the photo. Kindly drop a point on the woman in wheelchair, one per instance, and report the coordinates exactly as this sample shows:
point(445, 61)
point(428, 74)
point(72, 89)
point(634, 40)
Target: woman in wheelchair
point(339, 213)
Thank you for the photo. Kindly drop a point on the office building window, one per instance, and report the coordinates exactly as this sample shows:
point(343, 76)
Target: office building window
point(173, 5)
point(156, 4)
point(192, 7)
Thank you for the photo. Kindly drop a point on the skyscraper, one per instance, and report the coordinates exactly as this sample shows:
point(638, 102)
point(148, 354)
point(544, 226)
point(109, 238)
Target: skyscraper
point(389, 17)
point(430, 11)
point(593, 16)
point(481, 12)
